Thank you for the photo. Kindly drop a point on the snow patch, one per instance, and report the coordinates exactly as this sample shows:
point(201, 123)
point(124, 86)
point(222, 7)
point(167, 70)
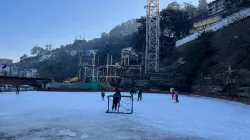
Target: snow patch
point(84, 136)
point(67, 133)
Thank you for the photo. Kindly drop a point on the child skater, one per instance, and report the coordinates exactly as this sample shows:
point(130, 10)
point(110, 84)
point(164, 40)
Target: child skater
point(102, 94)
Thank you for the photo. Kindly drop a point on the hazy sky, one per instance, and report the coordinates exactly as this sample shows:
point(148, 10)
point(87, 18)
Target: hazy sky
point(26, 23)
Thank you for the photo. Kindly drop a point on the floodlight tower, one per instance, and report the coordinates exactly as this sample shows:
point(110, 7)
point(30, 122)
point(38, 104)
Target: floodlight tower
point(152, 36)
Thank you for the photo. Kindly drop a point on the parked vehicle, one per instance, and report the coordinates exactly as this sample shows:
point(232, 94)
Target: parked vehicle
point(7, 88)
point(26, 88)
point(23, 88)
point(1, 88)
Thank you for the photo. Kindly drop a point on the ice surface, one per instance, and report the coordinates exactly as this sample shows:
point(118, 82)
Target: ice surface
point(80, 116)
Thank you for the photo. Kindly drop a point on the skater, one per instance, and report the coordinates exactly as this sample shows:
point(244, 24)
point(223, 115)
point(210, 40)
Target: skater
point(176, 97)
point(17, 90)
point(132, 91)
point(173, 92)
point(103, 94)
point(139, 95)
point(116, 99)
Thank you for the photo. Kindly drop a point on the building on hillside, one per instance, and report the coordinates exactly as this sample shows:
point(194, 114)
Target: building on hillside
point(73, 53)
point(6, 61)
point(91, 52)
point(29, 73)
point(216, 7)
point(14, 71)
point(34, 72)
point(126, 55)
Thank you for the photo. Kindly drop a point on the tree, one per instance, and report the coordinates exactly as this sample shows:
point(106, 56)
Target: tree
point(174, 6)
point(37, 50)
point(126, 28)
point(139, 38)
point(203, 7)
point(105, 36)
point(175, 23)
point(190, 9)
point(48, 47)
point(25, 56)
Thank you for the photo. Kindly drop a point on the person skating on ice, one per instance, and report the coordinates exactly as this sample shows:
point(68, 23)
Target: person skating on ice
point(17, 90)
point(140, 95)
point(102, 94)
point(176, 97)
point(173, 92)
point(116, 99)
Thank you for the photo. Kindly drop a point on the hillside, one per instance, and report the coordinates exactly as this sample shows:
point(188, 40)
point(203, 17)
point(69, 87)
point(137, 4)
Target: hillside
point(61, 63)
point(218, 62)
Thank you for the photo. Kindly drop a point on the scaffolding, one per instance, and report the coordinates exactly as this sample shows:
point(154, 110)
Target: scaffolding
point(104, 73)
point(152, 36)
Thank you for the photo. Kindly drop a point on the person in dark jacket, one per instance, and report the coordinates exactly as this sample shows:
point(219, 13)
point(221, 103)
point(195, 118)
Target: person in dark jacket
point(132, 91)
point(116, 99)
point(176, 97)
point(140, 95)
point(103, 94)
point(17, 90)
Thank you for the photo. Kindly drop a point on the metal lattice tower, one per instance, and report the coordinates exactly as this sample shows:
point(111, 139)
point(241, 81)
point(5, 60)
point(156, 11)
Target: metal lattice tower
point(152, 36)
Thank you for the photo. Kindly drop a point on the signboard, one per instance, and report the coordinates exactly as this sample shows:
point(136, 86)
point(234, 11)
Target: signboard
point(171, 89)
point(87, 60)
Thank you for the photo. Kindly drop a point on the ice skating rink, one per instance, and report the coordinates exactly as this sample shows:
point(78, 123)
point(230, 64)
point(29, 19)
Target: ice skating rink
point(80, 116)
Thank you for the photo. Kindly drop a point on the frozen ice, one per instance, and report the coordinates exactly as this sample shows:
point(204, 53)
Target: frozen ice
point(67, 133)
point(79, 115)
point(84, 136)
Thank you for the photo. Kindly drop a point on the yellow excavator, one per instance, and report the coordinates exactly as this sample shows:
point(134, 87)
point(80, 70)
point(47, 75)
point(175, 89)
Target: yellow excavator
point(73, 80)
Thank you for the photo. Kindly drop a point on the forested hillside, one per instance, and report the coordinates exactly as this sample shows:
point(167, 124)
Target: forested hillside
point(61, 64)
point(211, 53)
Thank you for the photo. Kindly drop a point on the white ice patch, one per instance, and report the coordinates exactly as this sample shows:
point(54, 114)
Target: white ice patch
point(84, 136)
point(67, 133)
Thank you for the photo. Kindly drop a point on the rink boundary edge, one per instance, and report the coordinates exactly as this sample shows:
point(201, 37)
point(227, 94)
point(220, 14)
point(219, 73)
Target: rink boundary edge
point(234, 99)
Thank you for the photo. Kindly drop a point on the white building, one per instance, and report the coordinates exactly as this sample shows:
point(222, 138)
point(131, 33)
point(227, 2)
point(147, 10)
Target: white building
point(29, 73)
point(126, 55)
point(6, 61)
point(216, 7)
point(73, 53)
point(14, 71)
point(91, 52)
